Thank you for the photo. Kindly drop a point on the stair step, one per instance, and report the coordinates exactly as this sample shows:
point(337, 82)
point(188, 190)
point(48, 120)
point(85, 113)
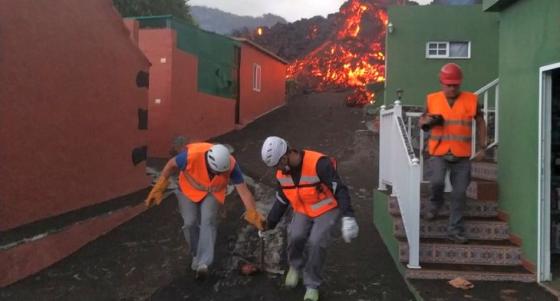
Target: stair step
point(473, 208)
point(483, 190)
point(484, 170)
point(475, 252)
point(471, 272)
point(475, 228)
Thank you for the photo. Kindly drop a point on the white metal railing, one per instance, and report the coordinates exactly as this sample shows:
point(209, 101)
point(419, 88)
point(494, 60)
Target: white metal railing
point(400, 168)
point(490, 109)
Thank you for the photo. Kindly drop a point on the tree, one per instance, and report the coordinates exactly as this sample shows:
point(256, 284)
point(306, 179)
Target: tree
point(136, 8)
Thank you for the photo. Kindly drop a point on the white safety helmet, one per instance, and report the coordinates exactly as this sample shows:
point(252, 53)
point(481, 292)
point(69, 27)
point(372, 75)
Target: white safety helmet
point(218, 158)
point(272, 150)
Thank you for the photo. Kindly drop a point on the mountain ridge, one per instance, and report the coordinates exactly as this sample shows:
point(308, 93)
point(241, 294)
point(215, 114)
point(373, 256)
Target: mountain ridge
point(218, 21)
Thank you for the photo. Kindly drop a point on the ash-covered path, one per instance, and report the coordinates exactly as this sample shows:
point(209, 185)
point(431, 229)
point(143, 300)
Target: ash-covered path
point(146, 257)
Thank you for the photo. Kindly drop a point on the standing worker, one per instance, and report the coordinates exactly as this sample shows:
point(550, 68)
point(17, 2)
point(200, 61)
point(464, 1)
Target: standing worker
point(309, 182)
point(204, 172)
point(448, 117)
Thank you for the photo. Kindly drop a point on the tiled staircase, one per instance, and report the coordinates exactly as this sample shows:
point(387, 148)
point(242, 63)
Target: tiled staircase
point(489, 255)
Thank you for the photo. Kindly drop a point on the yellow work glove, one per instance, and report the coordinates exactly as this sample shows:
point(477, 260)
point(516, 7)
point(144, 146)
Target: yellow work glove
point(255, 218)
point(156, 194)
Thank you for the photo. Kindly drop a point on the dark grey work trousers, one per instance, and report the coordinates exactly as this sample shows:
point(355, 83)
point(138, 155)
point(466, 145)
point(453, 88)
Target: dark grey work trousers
point(315, 234)
point(460, 176)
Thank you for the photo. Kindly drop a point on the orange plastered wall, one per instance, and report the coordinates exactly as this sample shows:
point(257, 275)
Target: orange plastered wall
point(68, 108)
point(157, 45)
point(273, 76)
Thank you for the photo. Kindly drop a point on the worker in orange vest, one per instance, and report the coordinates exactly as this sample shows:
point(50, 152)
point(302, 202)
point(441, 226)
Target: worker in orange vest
point(448, 117)
point(204, 173)
point(309, 183)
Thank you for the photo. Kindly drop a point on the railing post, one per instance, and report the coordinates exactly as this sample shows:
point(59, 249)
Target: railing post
point(398, 108)
point(496, 113)
point(382, 150)
point(414, 217)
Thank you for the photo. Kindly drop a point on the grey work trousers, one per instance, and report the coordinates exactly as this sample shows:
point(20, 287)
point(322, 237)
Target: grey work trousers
point(460, 176)
point(315, 234)
point(200, 223)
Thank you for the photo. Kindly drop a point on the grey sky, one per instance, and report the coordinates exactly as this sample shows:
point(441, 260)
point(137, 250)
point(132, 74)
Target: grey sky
point(291, 10)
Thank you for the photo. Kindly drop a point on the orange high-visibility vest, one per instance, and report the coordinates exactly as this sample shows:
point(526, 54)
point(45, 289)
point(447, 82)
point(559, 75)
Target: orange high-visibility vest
point(309, 197)
point(456, 134)
point(194, 180)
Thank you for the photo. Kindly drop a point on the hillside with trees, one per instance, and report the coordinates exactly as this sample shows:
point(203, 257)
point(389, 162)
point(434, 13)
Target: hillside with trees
point(221, 22)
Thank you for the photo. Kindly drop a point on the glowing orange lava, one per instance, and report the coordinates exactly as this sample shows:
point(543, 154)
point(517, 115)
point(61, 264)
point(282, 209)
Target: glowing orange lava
point(351, 58)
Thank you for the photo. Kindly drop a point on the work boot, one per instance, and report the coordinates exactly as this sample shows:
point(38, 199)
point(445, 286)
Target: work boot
point(201, 272)
point(458, 238)
point(311, 294)
point(292, 278)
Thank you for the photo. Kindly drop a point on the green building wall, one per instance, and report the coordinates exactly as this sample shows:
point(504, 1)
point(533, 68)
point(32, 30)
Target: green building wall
point(216, 54)
point(529, 39)
point(413, 26)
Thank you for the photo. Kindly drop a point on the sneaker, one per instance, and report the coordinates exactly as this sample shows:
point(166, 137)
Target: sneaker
point(201, 272)
point(311, 294)
point(292, 278)
point(458, 238)
point(194, 264)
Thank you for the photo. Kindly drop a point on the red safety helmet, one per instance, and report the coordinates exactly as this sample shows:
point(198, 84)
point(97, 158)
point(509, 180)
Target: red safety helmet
point(451, 74)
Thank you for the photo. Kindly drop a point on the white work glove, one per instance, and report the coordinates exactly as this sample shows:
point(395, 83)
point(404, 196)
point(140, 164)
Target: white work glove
point(350, 228)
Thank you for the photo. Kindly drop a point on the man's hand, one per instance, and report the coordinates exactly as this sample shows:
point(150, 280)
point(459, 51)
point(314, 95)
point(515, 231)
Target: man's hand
point(156, 194)
point(480, 155)
point(254, 218)
point(350, 228)
point(425, 118)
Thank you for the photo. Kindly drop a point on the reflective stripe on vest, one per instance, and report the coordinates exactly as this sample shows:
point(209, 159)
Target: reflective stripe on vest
point(309, 197)
point(322, 203)
point(201, 187)
point(455, 135)
point(194, 180)
point(452, 138)
point(458, 122)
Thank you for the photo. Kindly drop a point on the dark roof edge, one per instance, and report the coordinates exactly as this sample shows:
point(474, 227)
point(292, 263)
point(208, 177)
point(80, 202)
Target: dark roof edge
point(262, 49)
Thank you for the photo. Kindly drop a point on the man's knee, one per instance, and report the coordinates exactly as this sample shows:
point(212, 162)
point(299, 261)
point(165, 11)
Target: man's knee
point(318, 242)
point(189, 222)
point(297, 237)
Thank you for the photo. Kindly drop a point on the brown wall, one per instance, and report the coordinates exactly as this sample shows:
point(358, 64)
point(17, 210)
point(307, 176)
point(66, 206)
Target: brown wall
point(182, 110)
point(68, 108)
point(273, 76)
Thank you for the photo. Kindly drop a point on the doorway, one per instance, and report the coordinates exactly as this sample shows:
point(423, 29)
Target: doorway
point(549, 176)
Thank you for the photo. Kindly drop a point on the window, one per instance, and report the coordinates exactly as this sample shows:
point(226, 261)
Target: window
point(256, 77)
point(456, 50)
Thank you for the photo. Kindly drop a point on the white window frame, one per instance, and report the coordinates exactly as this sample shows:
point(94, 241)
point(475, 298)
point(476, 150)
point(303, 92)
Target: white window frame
point(257, 73)
point(446, 55)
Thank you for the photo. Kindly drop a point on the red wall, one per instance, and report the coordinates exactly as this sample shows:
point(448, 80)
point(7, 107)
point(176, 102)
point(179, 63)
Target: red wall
point(198, 116)
point(68, 108)
point(183, 110)
point(273, 77)
point(157, 44)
